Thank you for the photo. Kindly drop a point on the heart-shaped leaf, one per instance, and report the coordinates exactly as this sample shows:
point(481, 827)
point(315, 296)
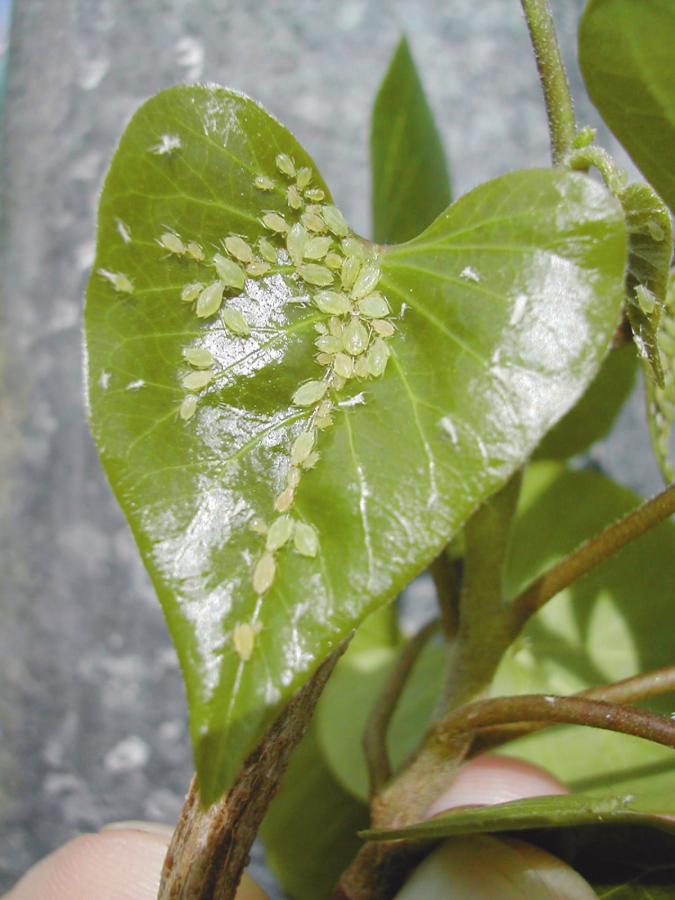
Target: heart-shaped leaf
point(278, 496)
point(626, 57)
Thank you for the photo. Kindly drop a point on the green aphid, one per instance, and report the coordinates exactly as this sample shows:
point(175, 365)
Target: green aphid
point(366, 281)
point(305, 539)
point(377, 357)
point(263, 183)
point(199, 357)
point(355, 337)
point(303, 179)
point(293, 197)
point(343, 365)
point(195, 381)
point(311, 460)
point(332, 302)
point(293, 478)
point(285, 164)
point(233, 319)
point(171, 242)
point(191, 291)
point(280, 531)
point(188, 407)
point(374, 306)
point(230, 273)
point(313, 222)
point(335, 221)
point(350, 270)
point(194, 250)
point(275, 222)
point(302, 447)
point(310, 393)
point(354, 247)
point(313, 273)
point(646, 299)
point(238, 248)
point(361, 369)
point(296, 241)
point(326, 343)
point(210, 299)
point(257, 268)
point(317, 247)
point(385, 329)
point(120, 282)
point(263, 573)
point(316, 195)
point(267, 250)
point(334, 261)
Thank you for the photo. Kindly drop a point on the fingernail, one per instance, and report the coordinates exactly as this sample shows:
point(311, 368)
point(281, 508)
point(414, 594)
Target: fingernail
point(158, 828)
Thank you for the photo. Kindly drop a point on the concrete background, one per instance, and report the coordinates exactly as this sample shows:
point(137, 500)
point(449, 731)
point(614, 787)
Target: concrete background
point(92, 712)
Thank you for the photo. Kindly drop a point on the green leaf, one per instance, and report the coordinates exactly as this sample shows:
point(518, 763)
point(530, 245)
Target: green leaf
point(521, 815)
point(310, 829)
point(626, 58)
point(476, 371)
point(594, 414)
point(661, 398)
point(411, 184)
point(650, 249)
point(613, 624)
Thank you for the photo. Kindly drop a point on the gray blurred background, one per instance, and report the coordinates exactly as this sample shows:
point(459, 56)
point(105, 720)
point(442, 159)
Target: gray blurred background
point(92, 710)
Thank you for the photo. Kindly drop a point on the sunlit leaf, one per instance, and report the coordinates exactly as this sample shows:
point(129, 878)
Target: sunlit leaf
point(411, 185)
point(502, 312)
point(626, 57)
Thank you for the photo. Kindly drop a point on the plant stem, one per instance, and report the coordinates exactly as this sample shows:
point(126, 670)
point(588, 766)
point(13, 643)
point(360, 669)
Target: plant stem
point(559, 108)
point(210, 847)
point(614, 177)
point(375, 734)
point(558, 710)
point(589, 555)
point(447, 591)
point(629, 690)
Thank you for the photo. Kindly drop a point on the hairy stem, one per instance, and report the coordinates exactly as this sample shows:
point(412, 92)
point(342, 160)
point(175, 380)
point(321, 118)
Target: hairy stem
point(559, 108)
point(210, 847)
point(614, 177)
point(375, 734)
point(590, 554)
point(558, 710)
point(629, 690)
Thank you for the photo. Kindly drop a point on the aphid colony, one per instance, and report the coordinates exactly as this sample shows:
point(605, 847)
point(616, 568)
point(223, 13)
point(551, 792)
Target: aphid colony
point(341, 274)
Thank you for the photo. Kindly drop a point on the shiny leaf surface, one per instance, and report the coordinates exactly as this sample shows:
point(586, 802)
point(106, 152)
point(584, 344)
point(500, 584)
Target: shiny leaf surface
point(503, 310)
point(411, 184)
point(626, 58)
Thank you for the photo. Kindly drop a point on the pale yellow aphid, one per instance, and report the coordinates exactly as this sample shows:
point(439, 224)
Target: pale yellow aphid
point(120, 282)
point(263, 183)
point(324, 359)
point(190, 292)
point(316, 195)
point(386, 329)
point(337, 382)
point(209, 300)
point(377, 358)
point(323, 422)
point(237, 247)
point(195, 381)
point(171, 242)
point(257, 525)
point(374, 306)
point(194, 250)
point(234, 320)
point(275, 222)
point(199, 357)
point(313, 273)
point(280, 531)
point(361, 369)
point(326, 343)
point(188, 407)
point(257, 268)
point(317, 247)
point(229, 272)
point(311, 460)
point(304, 178)
point(334, 261)
point(305, 539)
point(293, 197)
point(366, 281)
point(296, 240)
point(243, 638)
point(263, 573)
point(353, 247)
point(293, 478)
point(332, 302)
point(302, 447)
point(310, 393)
point(343, 365)
point(267, 250)
point(355, 337)
point(350, 270)
point(285, 164)
point(335, 221)
point(335, 326)
point(285, 500)
point(313, 222)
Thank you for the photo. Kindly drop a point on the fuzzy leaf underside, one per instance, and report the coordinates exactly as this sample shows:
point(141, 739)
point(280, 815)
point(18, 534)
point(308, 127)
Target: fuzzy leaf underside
point(503, 310)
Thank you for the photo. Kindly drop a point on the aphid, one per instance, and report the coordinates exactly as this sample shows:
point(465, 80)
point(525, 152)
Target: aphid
point(311, 460)
point(335, 327)
point(334, 261)
point(120, 282)
point(350, 269)
point(243, 638)
point(305, 539)
point(123, 230)
point(263, 183)
point(302, 447)
point(386, 329)
point(293, 478)
point(275, 222)
point(257, 268)
point(188, 407)
point(374, 306)
point(316, 195)
point(190, 292)
point(366, 280)
point(257, 525)
point(233, 319)
point(209, 300)
point(310, 393)
point(469, 274)
point(313, 222)
point(656, 233)
point(285, 500)
point(326, 343)
point(293, 197)
point(238, 248)
point(337, 382)
point(332, 302)
point(646, 300)
point(285, 164)
point(323, 422)
point(324, 359)
point(335, 220)
point(317, 247)
point(199, 357)
point(263, 573)
point(324, 408)
point(355, 337)
point(304, 178)
point(172, 243)
point(230, 273)
point(195, 381)
point(313, 273)
point(267, 250)
point(353, 247)
point(194, 250)
point(320, 328)
point(343, 365)
point(377, 358)
point(296, 241)
point(280, 531)
point(167, 144)
point(361, 369)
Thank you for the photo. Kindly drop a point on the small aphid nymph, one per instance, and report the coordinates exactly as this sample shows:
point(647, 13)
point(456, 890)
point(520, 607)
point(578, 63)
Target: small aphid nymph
point(229, 272)
point(210, 299)
point(263, 573)
point(243, 638)
point(275, 222)
point(120, 282)
point(190, 292)
point(310, 393)
point(238, 248)
point(263, 183)
point(280, 531)
point(195, 381)
point(233, 319)
point(188, 407)
point(194, 251)
point(171, 242)
point(285, 165)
